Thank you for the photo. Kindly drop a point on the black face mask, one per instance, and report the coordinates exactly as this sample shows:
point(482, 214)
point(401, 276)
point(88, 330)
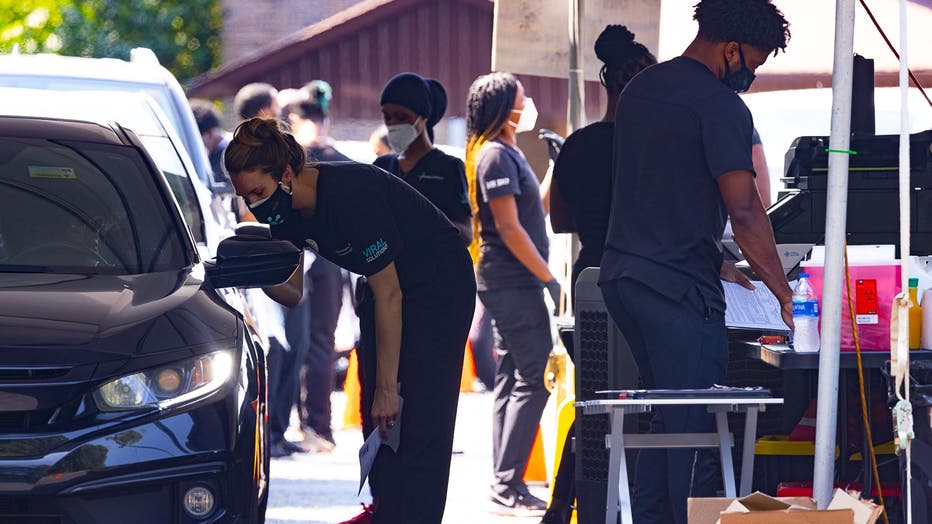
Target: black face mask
point(275, 209)
point(739, 81)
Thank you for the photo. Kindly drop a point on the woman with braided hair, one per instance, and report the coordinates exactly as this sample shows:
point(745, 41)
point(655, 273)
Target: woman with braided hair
point(511, 275)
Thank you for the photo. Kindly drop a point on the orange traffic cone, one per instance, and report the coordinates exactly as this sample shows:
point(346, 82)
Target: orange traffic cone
point(352, 418)
point(468, 378)
point(536, 470)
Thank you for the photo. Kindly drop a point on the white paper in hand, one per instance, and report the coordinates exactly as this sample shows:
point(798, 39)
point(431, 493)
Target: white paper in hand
point(370, 448)
point(367, 454)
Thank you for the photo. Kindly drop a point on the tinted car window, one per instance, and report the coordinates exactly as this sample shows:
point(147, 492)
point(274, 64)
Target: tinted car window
point(83, 208)
point(166, 157)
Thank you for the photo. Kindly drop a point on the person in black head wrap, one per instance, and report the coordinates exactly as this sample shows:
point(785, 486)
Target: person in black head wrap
point(411, 107)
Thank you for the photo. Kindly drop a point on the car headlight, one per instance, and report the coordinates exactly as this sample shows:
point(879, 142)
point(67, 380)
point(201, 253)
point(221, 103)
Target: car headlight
point(167, 385)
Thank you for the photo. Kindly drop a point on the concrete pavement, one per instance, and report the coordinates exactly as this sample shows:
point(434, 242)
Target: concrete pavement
point(321, 488)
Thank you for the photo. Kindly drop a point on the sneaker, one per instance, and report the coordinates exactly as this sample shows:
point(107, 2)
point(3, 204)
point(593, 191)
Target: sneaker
point(293, 447)
point(277, 450)
point(518, 502)
point(363, 518)
point(314, 441)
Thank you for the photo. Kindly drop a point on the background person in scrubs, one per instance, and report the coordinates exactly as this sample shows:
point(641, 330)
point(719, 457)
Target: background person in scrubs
point(369, 222)
point(309, 116)
point(411, 107)
point(581, 200)
point(512, 273)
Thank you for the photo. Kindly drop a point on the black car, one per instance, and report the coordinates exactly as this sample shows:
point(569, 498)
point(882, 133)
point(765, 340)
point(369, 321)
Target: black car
point(130, 391)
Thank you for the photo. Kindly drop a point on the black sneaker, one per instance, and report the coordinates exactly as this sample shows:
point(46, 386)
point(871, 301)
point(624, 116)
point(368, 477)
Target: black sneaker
point(276, 450)
point(293, 447)
point(518, 502)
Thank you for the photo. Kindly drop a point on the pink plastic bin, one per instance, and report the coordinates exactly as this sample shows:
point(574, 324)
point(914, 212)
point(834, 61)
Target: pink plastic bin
point(873, 337)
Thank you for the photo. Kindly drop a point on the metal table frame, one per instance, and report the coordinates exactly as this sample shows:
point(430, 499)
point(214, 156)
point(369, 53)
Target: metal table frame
point(618, 497)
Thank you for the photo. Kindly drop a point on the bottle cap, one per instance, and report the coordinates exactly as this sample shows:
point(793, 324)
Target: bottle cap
point(804, 275)
point(914, 282)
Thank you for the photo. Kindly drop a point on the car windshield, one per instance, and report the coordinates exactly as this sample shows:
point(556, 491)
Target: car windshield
point(83, 208)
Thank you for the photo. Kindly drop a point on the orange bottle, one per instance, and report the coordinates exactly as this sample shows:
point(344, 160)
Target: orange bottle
point(915, 314)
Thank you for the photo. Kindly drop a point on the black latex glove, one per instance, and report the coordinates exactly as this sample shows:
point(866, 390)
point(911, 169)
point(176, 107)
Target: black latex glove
point(553, 287)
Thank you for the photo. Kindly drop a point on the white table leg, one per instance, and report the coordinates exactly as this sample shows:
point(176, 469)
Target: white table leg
point(728, 469)
point(747, 450)
point(617, 491)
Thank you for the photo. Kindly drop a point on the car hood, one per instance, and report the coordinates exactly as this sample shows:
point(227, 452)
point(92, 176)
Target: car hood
point(119, 315)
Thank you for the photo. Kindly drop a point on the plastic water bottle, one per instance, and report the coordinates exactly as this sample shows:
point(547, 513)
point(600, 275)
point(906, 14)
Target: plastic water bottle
point(805, 316)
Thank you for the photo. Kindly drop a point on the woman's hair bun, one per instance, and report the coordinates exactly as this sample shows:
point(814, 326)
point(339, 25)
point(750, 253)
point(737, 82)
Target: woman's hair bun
point(256, 131)
point(438, 101)
point(265, 143)
point(614, 44)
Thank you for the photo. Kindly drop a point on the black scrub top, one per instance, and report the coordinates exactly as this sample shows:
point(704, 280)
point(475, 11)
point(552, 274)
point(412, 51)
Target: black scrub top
point(503, 171)
point(583, 172)
point(325, 153)
point(367, 218)
point(677, 129)
point(439, 177)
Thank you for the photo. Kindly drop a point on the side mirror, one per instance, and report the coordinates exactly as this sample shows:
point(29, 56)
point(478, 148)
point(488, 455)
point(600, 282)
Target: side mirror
point(252, 261)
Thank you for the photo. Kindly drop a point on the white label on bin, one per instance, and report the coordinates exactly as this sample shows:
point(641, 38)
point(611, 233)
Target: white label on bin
point(867, 319)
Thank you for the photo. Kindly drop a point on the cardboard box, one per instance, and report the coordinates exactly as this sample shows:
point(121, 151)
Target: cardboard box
point(763, 509)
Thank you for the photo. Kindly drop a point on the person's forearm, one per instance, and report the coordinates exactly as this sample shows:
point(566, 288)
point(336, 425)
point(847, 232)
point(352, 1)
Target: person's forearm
point(521, 246)
point(387, 340)
point(290, 292)
point(545, 189)
point(755, 237)
point(763, 187)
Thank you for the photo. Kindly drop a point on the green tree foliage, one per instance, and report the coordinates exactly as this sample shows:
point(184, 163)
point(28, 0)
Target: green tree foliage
point(30, 24)
point(184, 34)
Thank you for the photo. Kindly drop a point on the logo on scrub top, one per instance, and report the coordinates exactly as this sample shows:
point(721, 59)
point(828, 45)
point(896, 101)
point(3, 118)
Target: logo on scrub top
point(375, 250)
point(498, 182)
point(425, 176)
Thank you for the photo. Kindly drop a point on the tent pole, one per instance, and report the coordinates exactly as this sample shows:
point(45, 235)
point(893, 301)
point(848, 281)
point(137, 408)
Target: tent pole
point(575, 113)
point(576, 109)
point(836, 218)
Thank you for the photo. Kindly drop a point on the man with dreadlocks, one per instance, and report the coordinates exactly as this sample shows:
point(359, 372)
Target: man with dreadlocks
point(682, 164)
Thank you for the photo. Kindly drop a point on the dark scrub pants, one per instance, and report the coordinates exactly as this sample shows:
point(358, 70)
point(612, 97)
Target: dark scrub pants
point(284, 366)
point(324, 283)
point(482, 341)
point(522, 342)
point(677, 345)
point(411, 485)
